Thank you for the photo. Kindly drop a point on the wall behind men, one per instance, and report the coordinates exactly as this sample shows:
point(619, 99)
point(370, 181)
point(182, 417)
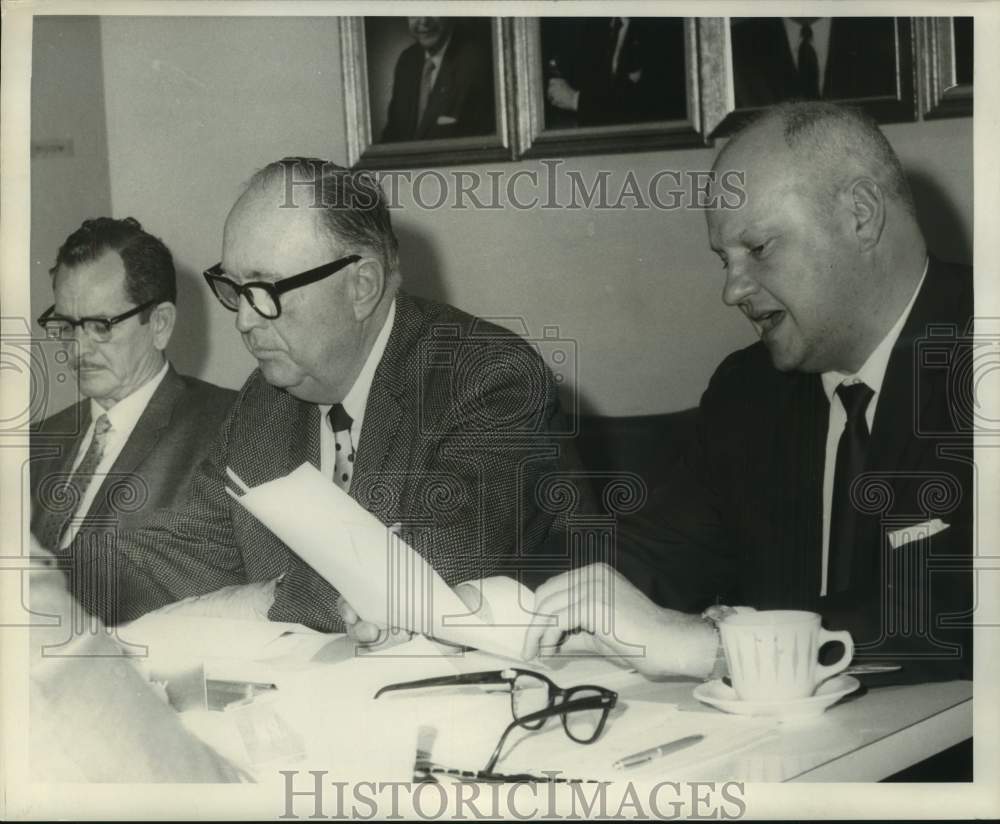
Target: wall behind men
point(69, 164)
point(194, 106)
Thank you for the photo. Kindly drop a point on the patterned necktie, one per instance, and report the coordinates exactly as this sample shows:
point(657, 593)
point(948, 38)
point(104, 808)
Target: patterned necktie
point(851, 452)
point(343, 465)
point(77, 485)
point(426, 84)
point(808, 66)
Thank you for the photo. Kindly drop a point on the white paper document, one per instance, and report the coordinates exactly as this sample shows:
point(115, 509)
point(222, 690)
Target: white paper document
point(386, 581)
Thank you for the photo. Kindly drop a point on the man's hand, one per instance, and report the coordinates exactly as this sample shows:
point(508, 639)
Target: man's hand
point(621, 623)
point(562, 95)
point(367, 633)
point(358, 630)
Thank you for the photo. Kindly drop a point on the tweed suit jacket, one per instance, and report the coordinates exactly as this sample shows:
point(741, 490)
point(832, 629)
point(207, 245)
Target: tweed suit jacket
point(740, 519)
point(461, 101)
point(456, 435)
point(153, 469)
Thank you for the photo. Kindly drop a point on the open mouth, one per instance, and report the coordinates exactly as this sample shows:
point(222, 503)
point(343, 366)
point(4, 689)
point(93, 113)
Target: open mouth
point(765, 322)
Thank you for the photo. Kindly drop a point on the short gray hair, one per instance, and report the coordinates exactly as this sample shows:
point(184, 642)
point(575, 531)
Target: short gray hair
point(837, 137)
point(352, 207)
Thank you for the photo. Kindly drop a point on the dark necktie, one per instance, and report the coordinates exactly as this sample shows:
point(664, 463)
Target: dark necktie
point(851, 453)
point(343, 464)
point(808, 66)
point(77, 485)
point(426, 84)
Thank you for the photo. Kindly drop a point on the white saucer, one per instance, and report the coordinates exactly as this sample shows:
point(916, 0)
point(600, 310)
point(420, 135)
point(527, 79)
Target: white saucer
point(723, 697)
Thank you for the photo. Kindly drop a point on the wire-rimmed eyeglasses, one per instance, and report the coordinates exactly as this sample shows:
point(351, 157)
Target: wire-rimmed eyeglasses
point(58, 327)
point(534, 699)
point(263, 295)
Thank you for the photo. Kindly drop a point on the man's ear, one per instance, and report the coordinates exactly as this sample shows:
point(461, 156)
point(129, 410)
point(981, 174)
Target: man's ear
point(162, 320)
point(367, 286)
point(867, 203)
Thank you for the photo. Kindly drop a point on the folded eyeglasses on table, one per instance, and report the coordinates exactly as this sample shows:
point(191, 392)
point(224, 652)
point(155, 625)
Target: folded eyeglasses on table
point(534, 699)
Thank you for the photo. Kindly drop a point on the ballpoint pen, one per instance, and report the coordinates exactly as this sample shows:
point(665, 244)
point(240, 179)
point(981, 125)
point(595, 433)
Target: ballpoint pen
point(657, 752)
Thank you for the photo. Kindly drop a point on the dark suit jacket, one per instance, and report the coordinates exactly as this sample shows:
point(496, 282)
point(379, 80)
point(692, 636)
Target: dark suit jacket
point(455, 437)
point(740, 520)
point(461, 101)
point(650, 83)
point(860, 61)
point(153, 470)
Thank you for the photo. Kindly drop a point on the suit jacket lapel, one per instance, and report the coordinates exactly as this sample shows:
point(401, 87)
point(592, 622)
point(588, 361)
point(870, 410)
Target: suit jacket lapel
point(901, 406)
point(55, 460)
point(146, 434)
point(385, 407)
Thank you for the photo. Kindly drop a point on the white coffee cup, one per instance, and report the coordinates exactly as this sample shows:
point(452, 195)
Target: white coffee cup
point(773, 655)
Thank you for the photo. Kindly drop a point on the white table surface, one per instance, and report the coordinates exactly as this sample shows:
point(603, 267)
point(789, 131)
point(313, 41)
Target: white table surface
point(866, 737)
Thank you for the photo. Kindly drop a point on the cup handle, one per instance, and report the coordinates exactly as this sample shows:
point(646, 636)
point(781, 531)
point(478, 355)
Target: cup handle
point(824, 671)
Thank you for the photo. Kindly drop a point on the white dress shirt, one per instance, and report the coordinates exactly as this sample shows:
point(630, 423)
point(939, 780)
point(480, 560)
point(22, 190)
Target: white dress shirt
point(123, 417)
point(820, 42)
point(356, 400)
point(871, 373)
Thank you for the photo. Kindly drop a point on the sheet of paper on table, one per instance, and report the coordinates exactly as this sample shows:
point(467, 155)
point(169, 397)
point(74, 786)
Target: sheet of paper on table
point(383, 578)
point(322, 718)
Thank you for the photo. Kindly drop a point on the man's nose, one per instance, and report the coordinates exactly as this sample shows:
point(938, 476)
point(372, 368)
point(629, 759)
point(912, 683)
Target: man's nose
point(739, 285)
point(246, 316)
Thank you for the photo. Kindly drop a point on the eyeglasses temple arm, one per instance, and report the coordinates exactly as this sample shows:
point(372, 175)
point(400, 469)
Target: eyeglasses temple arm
point(492, 677)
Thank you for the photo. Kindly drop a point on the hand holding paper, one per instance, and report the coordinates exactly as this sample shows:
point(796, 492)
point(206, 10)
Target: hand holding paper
point(383, 579)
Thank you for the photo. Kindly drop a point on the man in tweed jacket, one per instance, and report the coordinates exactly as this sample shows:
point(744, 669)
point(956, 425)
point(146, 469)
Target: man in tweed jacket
point(455, 413)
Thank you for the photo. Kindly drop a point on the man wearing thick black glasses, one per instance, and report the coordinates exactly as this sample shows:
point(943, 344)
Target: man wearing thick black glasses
point(131, 445)
point(428, 417)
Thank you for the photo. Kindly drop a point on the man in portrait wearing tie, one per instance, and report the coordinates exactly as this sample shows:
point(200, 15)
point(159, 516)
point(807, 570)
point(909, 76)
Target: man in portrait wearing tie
point(133, 443)
point(443, 83)
point(427, 417)
point(611, 71)
point(812, 58)
point(832, 466)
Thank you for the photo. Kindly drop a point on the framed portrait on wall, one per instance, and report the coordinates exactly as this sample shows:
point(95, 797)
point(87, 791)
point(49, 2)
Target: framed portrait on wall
point(749, 63)
point(945, 54)
point(425, 91)
point(599, 84)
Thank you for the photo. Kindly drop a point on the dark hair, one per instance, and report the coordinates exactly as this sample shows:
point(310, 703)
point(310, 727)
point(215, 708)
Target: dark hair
point(840, 137)
point(149, 267)
point(351, 205)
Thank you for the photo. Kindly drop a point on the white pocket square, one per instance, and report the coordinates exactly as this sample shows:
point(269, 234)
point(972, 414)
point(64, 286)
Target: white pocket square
point(445, 120)
point(922, 531)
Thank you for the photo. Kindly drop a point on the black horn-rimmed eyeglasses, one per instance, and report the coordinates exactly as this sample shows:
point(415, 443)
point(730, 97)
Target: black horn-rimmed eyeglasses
point(534, 699)
point(59, 327)
point(262, 295)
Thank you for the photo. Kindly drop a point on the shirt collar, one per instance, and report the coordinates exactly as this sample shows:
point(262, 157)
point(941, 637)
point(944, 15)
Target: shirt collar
point(872, 371)
point(357, 398)
point(438, 56)
point(125, 414)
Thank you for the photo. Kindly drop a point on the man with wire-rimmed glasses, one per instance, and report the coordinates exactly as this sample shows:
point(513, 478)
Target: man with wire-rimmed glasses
point(431, 419)
point(132, 443)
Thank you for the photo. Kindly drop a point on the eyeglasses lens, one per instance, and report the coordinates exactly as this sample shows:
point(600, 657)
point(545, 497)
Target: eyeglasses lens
point(582, 725)
point(263, 302)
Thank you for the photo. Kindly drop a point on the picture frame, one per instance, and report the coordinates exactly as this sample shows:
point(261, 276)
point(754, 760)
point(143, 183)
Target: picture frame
point(944, 50)
point(727, 46)
point(535, 65)
point(453, 127)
